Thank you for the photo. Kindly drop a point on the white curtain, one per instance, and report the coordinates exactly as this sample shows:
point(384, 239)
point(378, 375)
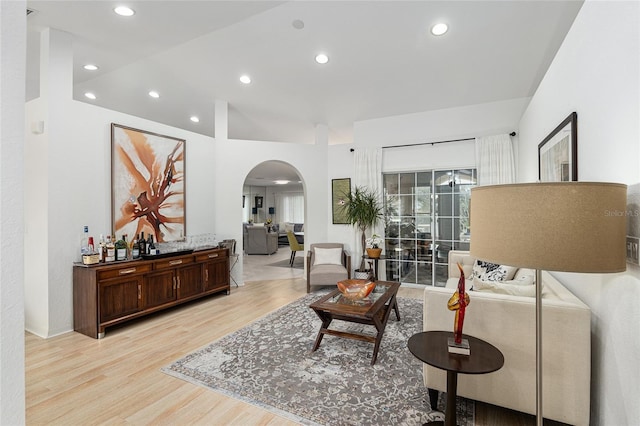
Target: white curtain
point(494, 160)
point(367, 172)
point(290, 207)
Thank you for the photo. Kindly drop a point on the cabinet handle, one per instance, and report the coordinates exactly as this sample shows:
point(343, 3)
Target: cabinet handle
point(139, 292)
point(175, 262)
point(127, 271)
point(212, 255)
point(206, 275)
point(178, 278)
point(174, 282)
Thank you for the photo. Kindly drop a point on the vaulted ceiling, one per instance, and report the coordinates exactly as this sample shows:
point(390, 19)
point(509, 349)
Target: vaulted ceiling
point(383, 61)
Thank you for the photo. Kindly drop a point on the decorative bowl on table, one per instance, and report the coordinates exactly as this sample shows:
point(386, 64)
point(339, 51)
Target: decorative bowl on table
point(356, 289)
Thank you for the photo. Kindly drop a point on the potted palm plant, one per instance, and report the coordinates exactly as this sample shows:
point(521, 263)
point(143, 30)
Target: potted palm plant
point(363, 210)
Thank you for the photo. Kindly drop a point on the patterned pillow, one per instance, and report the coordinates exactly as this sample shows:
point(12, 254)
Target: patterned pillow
point(486, 271)
point(503, 279)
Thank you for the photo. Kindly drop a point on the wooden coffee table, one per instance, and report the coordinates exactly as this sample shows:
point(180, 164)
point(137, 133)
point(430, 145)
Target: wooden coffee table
point(373, 310)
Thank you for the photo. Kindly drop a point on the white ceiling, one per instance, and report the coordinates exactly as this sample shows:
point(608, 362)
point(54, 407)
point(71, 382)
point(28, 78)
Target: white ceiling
point(383, 61)
point(265, 174)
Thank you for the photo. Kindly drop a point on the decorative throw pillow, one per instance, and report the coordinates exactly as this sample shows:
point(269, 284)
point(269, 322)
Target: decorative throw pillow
point(288, 226)
point(522, 287)
point(487, 271)
point(525, 275)
point(327, 256)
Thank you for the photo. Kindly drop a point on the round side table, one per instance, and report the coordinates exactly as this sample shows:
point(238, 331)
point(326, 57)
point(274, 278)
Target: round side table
point(431, 348)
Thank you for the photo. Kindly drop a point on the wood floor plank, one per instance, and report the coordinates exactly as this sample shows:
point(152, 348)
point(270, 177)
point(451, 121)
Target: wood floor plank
point(73, 379)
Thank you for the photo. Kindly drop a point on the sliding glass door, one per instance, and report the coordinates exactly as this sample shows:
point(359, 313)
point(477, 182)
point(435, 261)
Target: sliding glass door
point(426, 216)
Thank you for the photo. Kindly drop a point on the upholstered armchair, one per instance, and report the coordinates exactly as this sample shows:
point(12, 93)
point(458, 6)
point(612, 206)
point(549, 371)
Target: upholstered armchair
point(260, 241)
point(327, 263)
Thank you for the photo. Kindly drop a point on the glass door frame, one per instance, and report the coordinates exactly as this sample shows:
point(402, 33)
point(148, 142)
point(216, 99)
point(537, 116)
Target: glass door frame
point(419, 234)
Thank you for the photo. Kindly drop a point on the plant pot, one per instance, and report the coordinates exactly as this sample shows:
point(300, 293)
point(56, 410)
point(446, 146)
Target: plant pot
point(374, 253)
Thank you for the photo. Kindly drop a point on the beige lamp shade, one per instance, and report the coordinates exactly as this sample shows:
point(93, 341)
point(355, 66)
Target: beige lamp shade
point(555, 226)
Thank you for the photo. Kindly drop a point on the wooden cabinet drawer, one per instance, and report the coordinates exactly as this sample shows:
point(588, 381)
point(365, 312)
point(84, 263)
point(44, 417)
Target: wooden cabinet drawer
point(211, 255)
point(124, 270)
point(172, 262)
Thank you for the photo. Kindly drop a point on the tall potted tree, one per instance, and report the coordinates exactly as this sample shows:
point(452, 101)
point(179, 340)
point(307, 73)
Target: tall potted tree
point(363, 210)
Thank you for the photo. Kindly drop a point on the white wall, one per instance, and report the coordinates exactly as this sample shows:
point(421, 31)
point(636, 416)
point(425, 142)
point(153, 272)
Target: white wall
point(450, 123)
point(236, 158)
point(432, 126)
point(270, 193)
point(340, 166)
point(12, 93)
point(68, 182)
point(80, 194)
point(596, 73)
point(215, 173)
point(429, 126)
point(250, 192)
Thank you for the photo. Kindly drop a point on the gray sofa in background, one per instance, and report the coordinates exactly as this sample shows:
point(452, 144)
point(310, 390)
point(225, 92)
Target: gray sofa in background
point(260, 241)
point(289, 226)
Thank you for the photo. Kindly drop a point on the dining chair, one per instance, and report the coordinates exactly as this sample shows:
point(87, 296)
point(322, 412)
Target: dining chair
point(295, 247)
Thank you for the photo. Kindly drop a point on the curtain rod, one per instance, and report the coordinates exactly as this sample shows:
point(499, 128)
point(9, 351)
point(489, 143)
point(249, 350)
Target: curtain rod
point(431, 143)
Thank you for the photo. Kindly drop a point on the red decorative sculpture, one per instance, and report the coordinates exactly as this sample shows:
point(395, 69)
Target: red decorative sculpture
point(458, 302)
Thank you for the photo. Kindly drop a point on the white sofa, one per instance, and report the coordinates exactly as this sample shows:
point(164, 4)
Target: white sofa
point(508, 322)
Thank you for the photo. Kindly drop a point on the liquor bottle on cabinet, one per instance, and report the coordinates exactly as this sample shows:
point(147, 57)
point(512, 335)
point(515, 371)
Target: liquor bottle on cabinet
point(84, 242)
point(111, 250)
point(102, 249)
point(121, 249)
point(142, 244)
point(125, 237)
point(135, 248)
point(151, 247)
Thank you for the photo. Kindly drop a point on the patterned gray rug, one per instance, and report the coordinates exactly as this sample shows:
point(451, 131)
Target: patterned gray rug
point(269, 363)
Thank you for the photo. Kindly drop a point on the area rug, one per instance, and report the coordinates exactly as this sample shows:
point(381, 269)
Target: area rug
point(269, 363)
point(298, 263)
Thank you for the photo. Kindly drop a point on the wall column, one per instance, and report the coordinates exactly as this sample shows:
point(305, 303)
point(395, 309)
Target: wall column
point(12, 94)
point(48, 307)
point(221, 120)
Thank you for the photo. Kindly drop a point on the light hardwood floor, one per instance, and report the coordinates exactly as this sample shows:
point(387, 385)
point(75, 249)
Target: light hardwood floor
point(73, 379)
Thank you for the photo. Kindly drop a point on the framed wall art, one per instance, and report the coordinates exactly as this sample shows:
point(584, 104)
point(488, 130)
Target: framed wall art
point(340, 189)
point(558, 152)
point(258, 202)
point(147, 184)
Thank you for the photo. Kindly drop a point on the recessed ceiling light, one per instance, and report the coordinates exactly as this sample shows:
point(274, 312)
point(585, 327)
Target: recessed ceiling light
point(298, 24)
point(124, 11)
point(281, 182)
point(439, 29)
point(194, 119)
point(245, 79)
point(90, 95)
point(90, 67)
point(321, 58)
point(154, 94)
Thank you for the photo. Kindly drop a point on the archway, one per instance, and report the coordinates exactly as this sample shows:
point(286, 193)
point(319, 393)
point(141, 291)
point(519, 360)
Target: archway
point(273, 198)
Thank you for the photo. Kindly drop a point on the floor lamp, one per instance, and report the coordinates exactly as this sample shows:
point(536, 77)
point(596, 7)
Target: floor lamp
point(556, 226)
